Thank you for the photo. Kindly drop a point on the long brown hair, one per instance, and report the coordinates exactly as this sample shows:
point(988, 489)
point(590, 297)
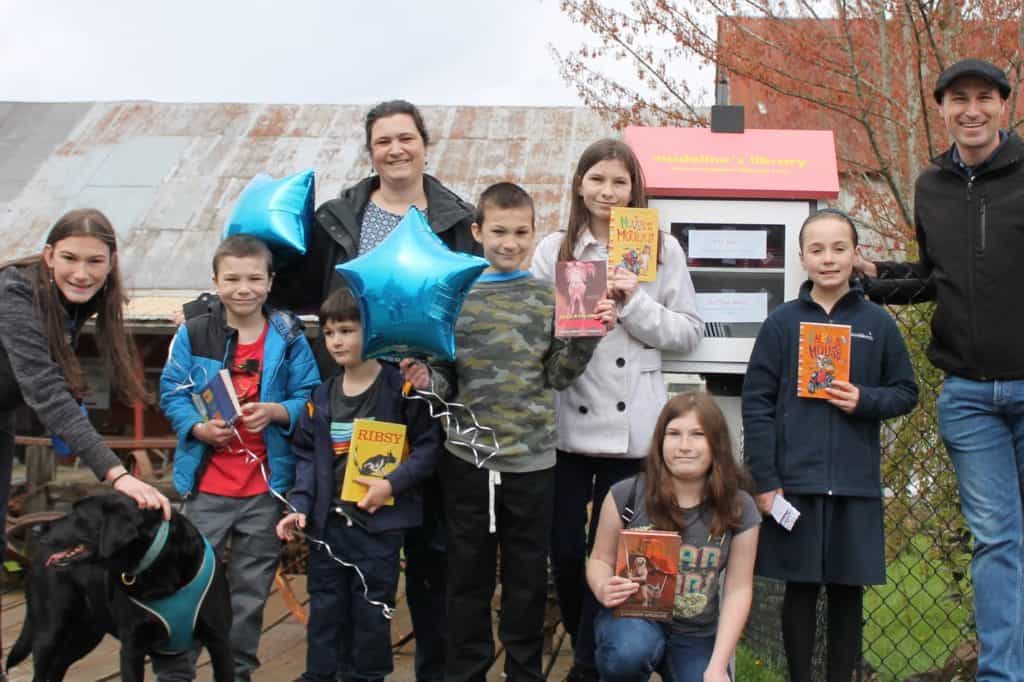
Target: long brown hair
point(579, 217)
point(112, 339)
point(725, 478)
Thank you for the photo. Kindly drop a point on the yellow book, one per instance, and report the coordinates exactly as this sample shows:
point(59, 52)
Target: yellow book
point(376, 450)
point(633, 242)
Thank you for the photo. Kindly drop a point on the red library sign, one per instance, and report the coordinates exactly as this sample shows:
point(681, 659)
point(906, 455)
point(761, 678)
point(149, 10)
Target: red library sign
point(756, 164)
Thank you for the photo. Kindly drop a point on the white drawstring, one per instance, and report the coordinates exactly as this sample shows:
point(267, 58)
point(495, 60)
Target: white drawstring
point(493, 479)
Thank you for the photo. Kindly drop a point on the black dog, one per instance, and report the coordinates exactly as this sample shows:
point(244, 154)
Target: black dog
point(90, 573)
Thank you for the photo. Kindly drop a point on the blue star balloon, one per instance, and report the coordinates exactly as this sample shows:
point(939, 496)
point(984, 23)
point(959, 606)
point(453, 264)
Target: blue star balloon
point(279, 212)
point(410, 290)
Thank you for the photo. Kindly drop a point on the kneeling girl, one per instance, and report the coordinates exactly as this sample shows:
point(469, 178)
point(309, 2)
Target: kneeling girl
point(693, 485)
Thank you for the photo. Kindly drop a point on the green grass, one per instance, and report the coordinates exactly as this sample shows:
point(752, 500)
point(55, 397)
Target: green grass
point(750, 668)
point(911, 624)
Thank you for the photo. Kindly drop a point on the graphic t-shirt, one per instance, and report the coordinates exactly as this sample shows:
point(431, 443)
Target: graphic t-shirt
point(702, 557)
point(344, 410)
point(229, 472)
point(377, 224)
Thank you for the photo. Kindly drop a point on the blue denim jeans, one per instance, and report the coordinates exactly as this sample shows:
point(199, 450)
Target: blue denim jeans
point(630, 649)
point(982, 425)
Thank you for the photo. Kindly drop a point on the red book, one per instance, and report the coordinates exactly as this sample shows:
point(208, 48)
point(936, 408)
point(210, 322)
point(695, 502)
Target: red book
point(651, 559)
point(579, 285)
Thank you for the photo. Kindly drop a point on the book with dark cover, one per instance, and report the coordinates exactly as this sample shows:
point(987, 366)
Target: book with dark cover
point(651, 559)
point(579, 285)
point(218, 399)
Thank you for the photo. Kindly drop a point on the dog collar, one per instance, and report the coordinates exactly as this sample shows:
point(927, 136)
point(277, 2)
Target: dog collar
point(155, 548)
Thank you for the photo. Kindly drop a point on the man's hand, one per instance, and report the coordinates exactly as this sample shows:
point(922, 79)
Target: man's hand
point(864, 267)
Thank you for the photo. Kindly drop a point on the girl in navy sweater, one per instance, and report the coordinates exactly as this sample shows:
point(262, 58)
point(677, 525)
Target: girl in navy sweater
point(824, 456)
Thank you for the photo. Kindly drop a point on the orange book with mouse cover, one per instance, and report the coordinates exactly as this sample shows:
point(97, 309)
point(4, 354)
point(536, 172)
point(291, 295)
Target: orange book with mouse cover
point(824, 358)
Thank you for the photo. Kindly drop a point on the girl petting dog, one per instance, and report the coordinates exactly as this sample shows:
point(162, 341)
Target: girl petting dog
point(692, 485)
point(45, 300)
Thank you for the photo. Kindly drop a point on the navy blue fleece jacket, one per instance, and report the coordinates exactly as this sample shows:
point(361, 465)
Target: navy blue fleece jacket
point(809, 446)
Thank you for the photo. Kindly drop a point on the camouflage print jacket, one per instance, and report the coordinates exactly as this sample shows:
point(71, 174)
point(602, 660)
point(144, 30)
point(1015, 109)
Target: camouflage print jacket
point(507, 368)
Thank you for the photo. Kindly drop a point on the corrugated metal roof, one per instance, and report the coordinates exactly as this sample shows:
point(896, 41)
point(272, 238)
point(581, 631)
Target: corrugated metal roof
point(168, 174)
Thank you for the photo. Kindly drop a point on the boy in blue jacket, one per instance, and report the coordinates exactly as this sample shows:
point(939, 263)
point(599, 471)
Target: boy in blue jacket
point(219, 467)
point(347, 634)
point(824, 456)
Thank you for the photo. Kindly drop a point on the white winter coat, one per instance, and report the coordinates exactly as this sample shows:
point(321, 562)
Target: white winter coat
point(611, 410)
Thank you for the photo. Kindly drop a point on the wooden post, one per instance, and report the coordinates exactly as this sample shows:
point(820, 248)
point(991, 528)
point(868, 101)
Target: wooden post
point(40, 469)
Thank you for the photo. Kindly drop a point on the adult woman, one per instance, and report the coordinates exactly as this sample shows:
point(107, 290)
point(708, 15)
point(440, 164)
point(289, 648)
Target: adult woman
point(347, 227)
point(45, 301)
point(364, 214)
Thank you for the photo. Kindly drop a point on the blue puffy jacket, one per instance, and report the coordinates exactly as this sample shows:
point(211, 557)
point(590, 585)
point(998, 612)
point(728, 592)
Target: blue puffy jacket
point(202, 347)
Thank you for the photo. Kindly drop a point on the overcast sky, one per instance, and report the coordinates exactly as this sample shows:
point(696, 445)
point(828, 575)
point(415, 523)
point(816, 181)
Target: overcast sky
point(332, 51)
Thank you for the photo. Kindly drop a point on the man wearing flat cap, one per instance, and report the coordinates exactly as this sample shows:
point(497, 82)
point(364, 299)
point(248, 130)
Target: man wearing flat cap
point(969, 214)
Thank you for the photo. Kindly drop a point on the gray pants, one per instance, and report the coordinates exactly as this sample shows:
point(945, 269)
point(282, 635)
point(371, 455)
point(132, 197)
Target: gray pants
point(247, 524)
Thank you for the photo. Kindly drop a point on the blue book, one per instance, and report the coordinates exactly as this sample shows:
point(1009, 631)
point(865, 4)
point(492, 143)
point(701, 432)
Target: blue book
point(218, 399)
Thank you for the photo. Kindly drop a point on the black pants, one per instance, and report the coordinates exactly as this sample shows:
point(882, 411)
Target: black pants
point(799, 629)
point(522, 515)
point(346, 634)
point(6, 466)
point(578, 480)
point(426, 581)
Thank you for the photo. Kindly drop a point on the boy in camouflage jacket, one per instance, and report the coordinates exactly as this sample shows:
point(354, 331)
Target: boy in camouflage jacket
point(509, 364)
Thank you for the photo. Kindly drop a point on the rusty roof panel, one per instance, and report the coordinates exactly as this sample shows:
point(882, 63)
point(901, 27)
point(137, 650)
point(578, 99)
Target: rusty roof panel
point(168, 174)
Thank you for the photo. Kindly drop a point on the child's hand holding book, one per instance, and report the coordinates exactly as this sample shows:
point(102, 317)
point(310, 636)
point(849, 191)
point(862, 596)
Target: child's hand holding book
point(378, 493)
point(215, 432)
point(616, 590)
point(844, 395)
point(606, 313)
point(622, 285)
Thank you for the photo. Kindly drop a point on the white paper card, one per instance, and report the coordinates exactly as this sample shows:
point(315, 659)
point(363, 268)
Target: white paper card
point(726, 306)
point(728, 244)
point(784, 513)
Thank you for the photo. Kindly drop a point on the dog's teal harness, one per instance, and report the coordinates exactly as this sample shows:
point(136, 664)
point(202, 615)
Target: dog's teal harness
point(178, 612)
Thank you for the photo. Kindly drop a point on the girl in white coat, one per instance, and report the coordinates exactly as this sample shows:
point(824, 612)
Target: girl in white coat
point(606, 417)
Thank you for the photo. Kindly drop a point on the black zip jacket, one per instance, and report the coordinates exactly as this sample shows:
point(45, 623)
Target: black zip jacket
point(303, 285)
point(806, 445)
point(29, 375)
point(315, 487)
point(970, 233)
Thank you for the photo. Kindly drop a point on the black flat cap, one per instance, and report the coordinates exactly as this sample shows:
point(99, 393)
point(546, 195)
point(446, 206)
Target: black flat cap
point(972, 67)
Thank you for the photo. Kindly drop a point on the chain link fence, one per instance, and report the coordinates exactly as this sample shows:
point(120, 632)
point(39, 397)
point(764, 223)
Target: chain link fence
point(919, 625)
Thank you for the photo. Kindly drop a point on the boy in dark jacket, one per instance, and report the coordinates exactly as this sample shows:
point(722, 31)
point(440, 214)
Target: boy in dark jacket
point(347, 634)
point(824, 455)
